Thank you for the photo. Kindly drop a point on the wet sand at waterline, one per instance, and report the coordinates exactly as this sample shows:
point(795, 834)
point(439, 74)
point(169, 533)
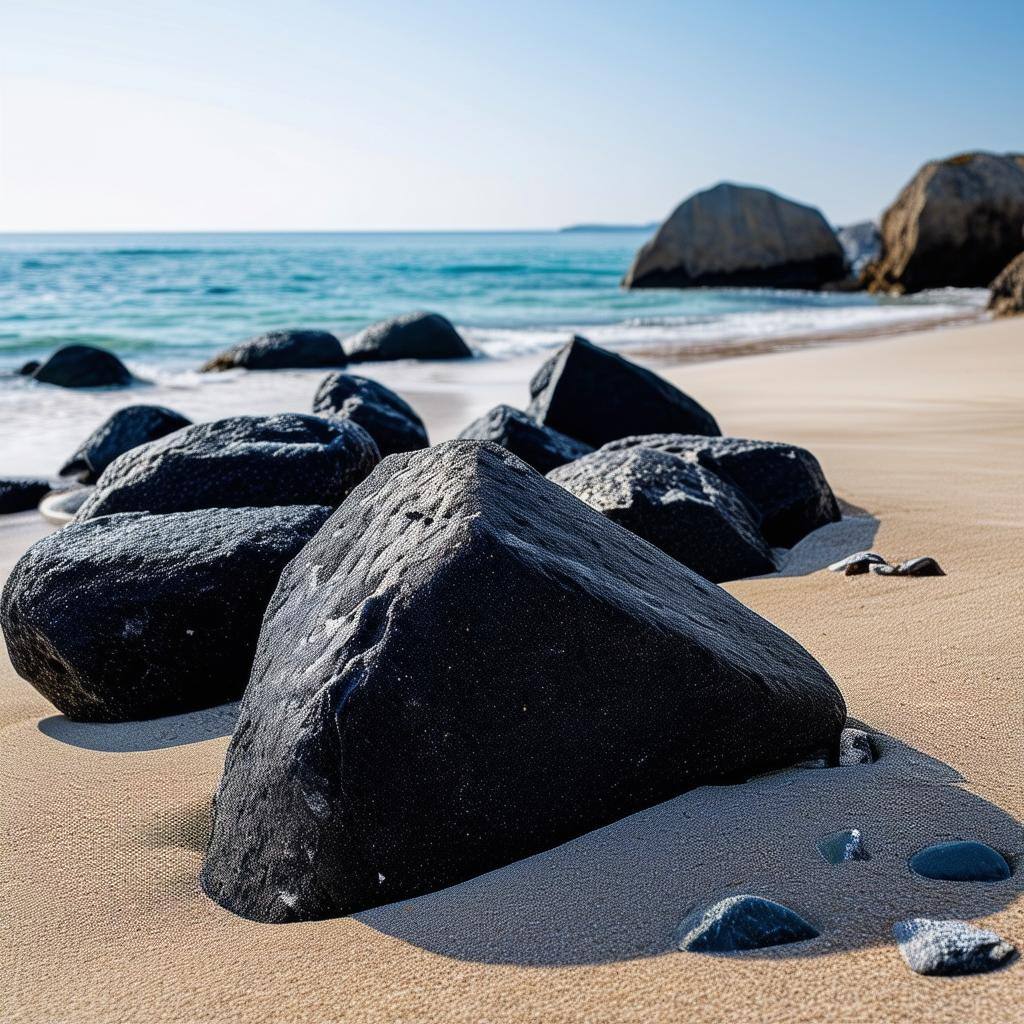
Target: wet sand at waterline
point(922, 436)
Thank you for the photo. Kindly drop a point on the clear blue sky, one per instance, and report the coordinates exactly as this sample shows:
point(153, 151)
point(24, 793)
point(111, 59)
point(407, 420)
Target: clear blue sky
point(394, 114)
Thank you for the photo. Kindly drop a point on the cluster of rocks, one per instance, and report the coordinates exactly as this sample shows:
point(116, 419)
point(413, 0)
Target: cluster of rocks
point(862, 562)
point(957, 224)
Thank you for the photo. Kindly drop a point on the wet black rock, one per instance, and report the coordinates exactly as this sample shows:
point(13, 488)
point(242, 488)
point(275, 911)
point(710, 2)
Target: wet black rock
point(679, 506)
point(289, 459)
point(783, 482)
point(136, 616)
point(857, 564)
point(924, 566)
point(596, 396)
point(742, 922)
point(844, 846)
point(19, 494)
point(467, 666)
point(126, 429)
point(281, 350)
point(386, 417)
point(27, 369)
point(539, 446)
point(83, 366)
point(961, 861)
point(950, 947)
point(855, 747)
point(412, 336)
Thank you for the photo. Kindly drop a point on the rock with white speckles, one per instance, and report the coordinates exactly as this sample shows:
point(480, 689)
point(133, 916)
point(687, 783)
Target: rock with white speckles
point(541, 447)
point(855, 747)
point(844, 846)
point(950, 947)
point(136, 616)
point(743, 922)
point(19, 494)
point(288, 459)
point(783, 482)
point(679, 506)
point(466, 666)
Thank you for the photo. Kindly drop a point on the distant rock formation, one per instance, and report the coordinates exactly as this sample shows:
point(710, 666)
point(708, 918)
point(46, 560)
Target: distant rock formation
point(862, 244)
point(280, 350)
point(81, 366)
point(739, 236)
point(1008, 289)
point(411, 336)
point(956, 224)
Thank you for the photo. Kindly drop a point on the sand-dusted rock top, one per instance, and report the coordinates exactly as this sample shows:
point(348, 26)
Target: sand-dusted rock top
point(743, 236)
point(468, 665)
point(1008, 289)
point(956, 224)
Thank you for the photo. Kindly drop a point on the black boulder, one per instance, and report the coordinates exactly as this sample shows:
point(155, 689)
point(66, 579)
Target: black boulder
point(126, 429)
point(136, 616)
point(467, 665)
point(83, 366)
point(783, 482)
point(597, 396)
point(19, 494)
point(541, 447)
point(680, 507)
point(386, 417)
point(288, 459)
point(411, 336)
point(280, 350)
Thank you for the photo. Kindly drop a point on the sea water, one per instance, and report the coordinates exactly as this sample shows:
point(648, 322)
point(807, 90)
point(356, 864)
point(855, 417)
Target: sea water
point(166, 303)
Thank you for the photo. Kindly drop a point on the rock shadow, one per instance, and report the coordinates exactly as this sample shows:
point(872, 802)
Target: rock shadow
point(151, 734)
point(827, 544)
point(620, 892)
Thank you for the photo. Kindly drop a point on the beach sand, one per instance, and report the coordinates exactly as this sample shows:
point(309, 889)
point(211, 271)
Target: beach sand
point(104, 826)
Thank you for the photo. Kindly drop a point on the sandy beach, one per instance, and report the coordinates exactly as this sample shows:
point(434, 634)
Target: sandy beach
point(922, 436)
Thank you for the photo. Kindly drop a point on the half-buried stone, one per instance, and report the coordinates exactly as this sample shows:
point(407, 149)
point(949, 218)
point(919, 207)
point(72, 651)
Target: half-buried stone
point(466, 666)
point(738, 923)
point(288, 459)
point(783, 482)
point(136, 616)
point(541, 447)
point(280, 350)
point(411, 336)
point(125, 429)
point(596, 396)
point(961, 861)
point(385, 416)
point(680, 507)
point(950, 948)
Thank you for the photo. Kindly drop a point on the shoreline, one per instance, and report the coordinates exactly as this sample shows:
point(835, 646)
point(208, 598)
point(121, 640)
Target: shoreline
point(922, 432)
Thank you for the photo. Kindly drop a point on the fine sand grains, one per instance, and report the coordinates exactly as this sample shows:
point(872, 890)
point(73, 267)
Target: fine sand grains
point(102, 833)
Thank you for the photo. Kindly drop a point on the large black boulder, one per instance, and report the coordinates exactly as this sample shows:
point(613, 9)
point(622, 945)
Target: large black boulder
point(468, 665)
point(679, 506)
point(19, 494)
point(136, 616)
point(288, 459)
point(126, 429)
point(83, 366)
point(386, 417)
point(411, 336)
point(783, 482)
point(541, 447)
point(597, 396)
point(280, 350)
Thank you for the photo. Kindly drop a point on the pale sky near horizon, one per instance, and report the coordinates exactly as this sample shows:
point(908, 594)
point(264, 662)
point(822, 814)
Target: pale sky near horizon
point(313, 115)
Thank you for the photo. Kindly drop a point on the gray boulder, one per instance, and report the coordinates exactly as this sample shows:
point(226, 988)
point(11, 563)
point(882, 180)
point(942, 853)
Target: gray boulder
point(679, 506)
point(281, 350)
point(596, 396)
point(862, 244)
point(956, 224)
point(83, 366)
point(539, 446)
point(19, 494)
point(125, 429)
point(1008, 289)
point(386, 417)
point(411, 336)
point(288, 459)
point(738, 236)
point(467, 666)
point(950, 947)
point(136, 616)
point(784, 483)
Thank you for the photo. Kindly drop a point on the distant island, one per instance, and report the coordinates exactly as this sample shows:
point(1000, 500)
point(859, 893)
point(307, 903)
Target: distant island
point(652, 226)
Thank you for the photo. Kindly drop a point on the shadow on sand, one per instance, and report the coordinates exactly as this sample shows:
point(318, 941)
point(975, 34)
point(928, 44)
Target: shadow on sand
point(856, 531)
point(152, 734)
point(621, 891)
